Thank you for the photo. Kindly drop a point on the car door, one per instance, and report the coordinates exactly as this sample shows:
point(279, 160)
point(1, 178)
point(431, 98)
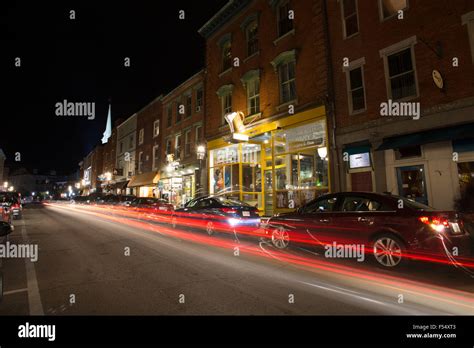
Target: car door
point(318, 220)
point(356, 218)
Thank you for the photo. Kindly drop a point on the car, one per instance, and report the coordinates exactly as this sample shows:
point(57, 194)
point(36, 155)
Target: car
point(217, 213)
point(393, 228)
point(14, 198)
point(5, 211)
point(153, 207)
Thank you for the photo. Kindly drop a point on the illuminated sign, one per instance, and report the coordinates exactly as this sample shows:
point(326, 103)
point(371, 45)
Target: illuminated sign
point(359, 160)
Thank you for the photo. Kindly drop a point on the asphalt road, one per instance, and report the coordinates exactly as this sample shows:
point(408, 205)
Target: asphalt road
point(95, 262)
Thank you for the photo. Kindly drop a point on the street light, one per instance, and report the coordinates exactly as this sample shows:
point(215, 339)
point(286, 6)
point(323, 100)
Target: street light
point(323, 152)
point(201, 152)
point(5, 184)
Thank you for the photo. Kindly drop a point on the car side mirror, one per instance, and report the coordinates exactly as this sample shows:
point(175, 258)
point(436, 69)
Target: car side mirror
point(5, 229)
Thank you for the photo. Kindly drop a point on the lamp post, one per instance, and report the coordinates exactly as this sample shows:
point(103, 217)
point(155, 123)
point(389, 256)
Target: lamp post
point(201, 153)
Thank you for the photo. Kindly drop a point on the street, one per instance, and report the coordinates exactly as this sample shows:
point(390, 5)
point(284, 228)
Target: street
point(93, 261)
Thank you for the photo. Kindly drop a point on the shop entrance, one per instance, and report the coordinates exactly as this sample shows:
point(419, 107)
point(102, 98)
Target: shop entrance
point(412, 184)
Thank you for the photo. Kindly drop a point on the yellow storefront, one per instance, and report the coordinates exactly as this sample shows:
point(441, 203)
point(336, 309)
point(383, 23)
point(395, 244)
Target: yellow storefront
point(281, 166)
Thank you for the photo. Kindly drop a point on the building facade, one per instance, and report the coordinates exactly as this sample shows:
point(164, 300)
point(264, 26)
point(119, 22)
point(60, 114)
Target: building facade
point(266, 103)
point(126, 155)
point(148, 149)
point(107, 177)
point(182, 174)
point(403, 92)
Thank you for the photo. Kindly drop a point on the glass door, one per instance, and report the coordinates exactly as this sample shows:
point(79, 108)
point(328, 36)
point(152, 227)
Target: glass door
point(412, 184)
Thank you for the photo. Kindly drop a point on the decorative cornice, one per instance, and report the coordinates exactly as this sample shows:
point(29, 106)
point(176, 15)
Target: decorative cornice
point(283, 58)
point(224, 38)
point(250, 75)
point(249, 19)
point(224, 90)
point(222, 17)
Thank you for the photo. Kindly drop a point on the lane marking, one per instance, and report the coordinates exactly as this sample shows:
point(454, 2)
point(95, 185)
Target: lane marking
point(11, 292)
point(34, 299)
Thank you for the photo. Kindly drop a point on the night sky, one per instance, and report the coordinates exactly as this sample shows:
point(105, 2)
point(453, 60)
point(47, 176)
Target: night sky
point(82, 60)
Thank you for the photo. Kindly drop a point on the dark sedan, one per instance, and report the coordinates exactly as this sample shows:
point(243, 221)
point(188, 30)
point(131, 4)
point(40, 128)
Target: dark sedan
point(152, 207)
point(216, 213)
point(390, 228)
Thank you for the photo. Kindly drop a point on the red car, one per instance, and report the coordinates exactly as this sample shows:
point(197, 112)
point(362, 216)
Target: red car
point(391, 228)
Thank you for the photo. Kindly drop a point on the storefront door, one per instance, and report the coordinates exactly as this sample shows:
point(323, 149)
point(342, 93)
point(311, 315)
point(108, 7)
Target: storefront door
point(268, 192)
point(412, 184)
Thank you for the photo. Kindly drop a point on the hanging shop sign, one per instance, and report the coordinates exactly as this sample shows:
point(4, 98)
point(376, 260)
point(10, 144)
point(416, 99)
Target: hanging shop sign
point(313, 134)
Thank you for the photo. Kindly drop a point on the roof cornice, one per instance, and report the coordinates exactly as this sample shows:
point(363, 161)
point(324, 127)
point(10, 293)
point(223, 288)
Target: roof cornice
point(222, 17)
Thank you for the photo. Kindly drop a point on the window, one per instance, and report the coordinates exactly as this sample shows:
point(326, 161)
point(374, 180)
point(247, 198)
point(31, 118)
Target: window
point(252, 38)
point(178, 113)
point(226, 105)
point(401, 75)
point(168, 146)
point(130, 142)
point(169, 116)
point(253, 96)
point(226, 55)
point(321, 206)
point(189, 104)
point(285, 24)
point(199, 99)
point(287, 81)
point(360, 204)
point(141, 134)
point(198, 135)
point(389, 8)
point(177, 147)
point(400, 70)
point(187, 143)
point(408, 152)
point(121, 146)
point(356, 90)
point(140, 161)
point(156, 128)
point(349, 17)
point(468, 20)
point(156, 154)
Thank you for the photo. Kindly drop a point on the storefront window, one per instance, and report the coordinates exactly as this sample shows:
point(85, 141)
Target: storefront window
point(466, 174)
point(295, 175)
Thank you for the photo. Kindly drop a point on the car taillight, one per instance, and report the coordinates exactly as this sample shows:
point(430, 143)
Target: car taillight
point(229, 210)
point(435, 222)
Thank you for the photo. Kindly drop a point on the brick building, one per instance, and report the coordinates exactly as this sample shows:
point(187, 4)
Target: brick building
point(91, 168)
point(109, 158)
point(126, 154)
point(181, 174)
point(148, 149)
point(404, 54)
point(266, 92)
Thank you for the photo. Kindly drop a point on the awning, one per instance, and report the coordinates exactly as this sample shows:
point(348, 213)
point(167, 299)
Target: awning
point(354, 149)
point(145, 179)
point(429, 136)
point(463, 145)
point(120, 184)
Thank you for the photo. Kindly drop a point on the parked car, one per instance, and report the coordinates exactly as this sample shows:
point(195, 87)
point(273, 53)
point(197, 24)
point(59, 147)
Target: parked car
point(391, 227)
point(6, 213)
point(154, 204)
point(14, 198)
point(214, 213)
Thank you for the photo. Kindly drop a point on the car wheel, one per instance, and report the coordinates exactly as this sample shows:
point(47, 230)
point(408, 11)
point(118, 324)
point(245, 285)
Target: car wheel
point(210, 229)
point(388, 251)
point(280, 237)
